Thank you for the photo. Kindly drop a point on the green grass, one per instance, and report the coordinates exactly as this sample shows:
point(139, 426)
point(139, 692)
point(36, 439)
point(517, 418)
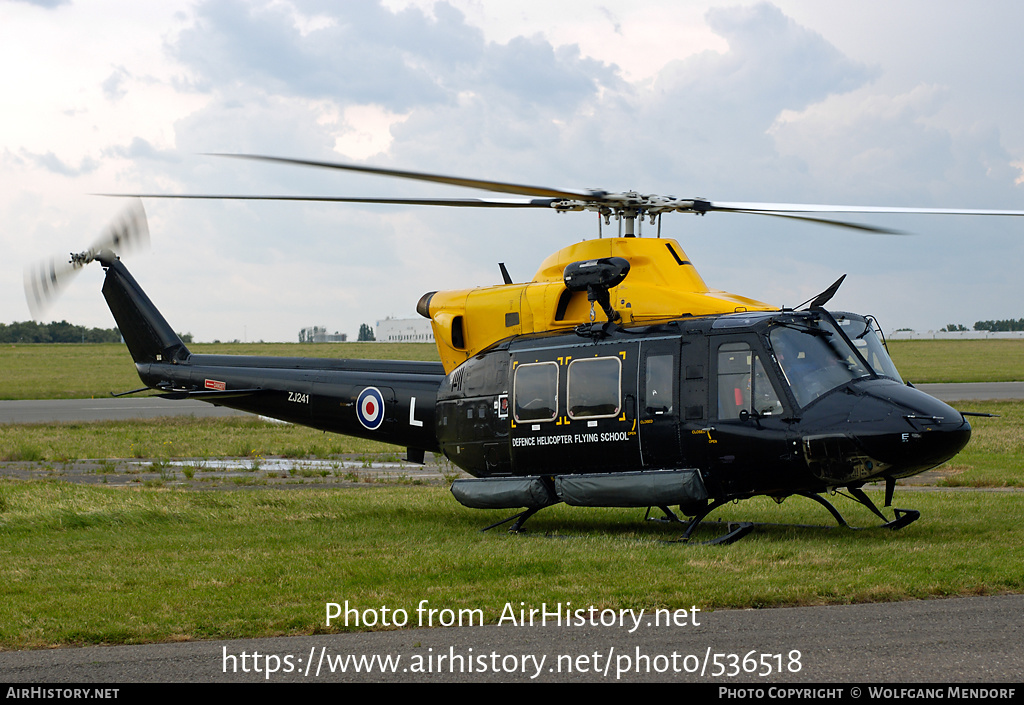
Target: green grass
point(174, 437)
point(88, 565)
point(959, 360)
point(95, 370)
point(995, 455)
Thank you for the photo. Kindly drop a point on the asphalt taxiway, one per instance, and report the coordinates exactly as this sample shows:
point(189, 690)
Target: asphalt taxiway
point(953, 641)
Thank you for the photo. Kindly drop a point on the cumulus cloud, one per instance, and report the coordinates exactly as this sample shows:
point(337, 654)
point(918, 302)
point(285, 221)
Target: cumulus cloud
point(492, 103)
point(113, 86)
point(437, 88)
point(873, 145)
point(365, 54)
point(140, 149)
point(612, 18)
point(522, 110)
point(703, 122)
point(52, 163)
point(48, 4)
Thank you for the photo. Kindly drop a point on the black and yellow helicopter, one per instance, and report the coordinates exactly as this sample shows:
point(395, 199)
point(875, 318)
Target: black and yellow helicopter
point(614, 378)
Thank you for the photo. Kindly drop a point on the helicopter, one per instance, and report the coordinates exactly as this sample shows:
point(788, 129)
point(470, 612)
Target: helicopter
point(613, 378)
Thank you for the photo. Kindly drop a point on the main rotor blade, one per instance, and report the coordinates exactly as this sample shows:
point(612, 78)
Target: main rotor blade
point(827, 221)
point(499, 186)
point(458, 202)
point(813, 208)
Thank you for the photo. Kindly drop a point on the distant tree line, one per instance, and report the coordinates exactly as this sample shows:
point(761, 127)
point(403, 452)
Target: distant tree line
point(62, 332)
point(993, 326)
point(1000, 326)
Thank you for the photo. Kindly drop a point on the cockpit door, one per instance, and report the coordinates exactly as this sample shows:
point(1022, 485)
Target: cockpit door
point(659, 412)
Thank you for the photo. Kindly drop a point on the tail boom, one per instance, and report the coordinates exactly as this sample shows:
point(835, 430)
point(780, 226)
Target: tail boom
point(391, 401)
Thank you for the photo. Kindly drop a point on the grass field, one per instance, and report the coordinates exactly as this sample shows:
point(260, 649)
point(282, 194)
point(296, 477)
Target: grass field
point(175, 437)
point(94, 564)
point(84, 371)
point(89, 565)
point(78, 371)
point(959, 360)
point(995, 455)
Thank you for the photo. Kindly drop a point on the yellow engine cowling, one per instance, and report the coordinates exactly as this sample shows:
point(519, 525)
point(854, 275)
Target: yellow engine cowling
point(662, 283)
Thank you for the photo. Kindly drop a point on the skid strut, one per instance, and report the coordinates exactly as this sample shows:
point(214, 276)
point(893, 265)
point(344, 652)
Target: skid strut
point(519, 518)
point(903, 516)
point(737, 530)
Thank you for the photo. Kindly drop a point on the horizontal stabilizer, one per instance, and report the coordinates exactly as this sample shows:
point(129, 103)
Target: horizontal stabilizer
point(208, 394)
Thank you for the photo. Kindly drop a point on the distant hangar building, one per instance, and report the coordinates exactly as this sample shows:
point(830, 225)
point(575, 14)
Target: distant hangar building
point(404, 330)
point(319, 334)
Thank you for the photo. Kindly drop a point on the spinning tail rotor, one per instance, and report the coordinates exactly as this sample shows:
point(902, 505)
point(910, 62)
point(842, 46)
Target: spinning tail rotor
point(45, 280)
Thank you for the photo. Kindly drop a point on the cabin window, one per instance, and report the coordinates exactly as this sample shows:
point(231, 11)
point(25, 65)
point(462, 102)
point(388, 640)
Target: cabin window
point(743, 384)
point(594, 387)
point(659, 380)
point(535, 392)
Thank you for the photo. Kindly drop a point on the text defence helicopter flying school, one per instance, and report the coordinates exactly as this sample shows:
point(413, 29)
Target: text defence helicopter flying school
point(614, 378)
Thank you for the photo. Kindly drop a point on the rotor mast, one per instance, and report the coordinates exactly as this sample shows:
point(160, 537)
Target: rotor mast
point(629, 207)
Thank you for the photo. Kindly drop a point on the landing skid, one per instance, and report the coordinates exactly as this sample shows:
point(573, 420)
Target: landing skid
point(903, 517)
point(737, 530)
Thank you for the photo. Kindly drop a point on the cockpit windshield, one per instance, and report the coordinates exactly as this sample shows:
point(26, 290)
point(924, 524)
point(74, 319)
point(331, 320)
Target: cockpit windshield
point(862, 333)
point(813, 355)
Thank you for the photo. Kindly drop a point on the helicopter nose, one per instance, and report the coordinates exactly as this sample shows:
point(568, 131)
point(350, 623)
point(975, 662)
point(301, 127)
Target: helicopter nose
point(929, 432)
point(934, 441)
point(879, 429)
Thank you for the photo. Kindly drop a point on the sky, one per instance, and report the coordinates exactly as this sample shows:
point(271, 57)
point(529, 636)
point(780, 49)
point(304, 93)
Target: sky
point(895, 103)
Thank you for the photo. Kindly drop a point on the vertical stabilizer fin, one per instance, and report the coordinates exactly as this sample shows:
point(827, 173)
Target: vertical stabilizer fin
point(145, 331)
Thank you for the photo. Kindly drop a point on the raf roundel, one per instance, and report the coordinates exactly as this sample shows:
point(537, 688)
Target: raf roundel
point(370, 408)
